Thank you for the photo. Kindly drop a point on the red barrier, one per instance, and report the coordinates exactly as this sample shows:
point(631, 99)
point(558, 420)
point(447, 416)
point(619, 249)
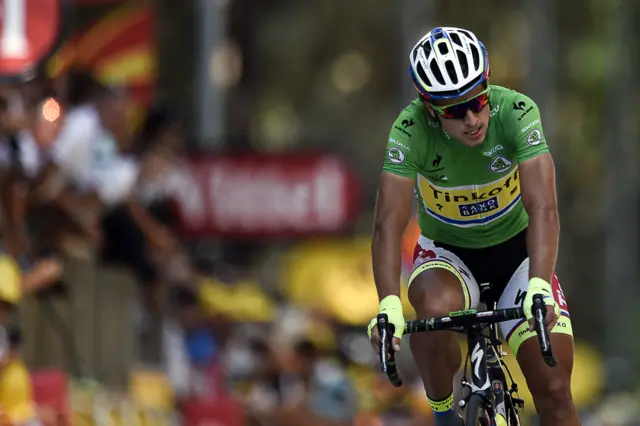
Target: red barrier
point(222, 411)
point(51, 389)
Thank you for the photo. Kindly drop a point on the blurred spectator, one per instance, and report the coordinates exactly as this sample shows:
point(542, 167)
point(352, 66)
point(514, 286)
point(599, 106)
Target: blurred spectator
point(139, 233)
point(271, 387)
point(81, 146)
point(16, 400)
point(189, 349)
point(139, 229)
point(309, 390)
point(92, 176)
point(23, 153)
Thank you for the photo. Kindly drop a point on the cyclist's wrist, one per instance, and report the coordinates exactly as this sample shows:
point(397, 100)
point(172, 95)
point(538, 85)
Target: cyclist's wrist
point(391, 302)
point(539, 282)
point(542, 287)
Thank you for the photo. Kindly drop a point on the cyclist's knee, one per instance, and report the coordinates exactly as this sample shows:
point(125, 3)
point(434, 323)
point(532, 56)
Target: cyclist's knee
point(553, 398)
point(436, 292)
point(550, 387)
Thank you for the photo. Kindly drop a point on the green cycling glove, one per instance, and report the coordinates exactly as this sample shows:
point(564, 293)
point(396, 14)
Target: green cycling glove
point(392, 306)
point(539, 286)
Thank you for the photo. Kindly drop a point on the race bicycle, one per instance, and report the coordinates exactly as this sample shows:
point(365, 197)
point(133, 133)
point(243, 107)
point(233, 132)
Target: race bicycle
point(489, 394)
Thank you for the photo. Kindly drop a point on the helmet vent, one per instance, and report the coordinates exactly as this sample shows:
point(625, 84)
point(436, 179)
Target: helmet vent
point(436, 73)
point(451, 70)
point(456, 39)
point(423, 76)
point(443, 48)
point(467, 33)
point(464, 64)
point(475, 56)
point(427, 49)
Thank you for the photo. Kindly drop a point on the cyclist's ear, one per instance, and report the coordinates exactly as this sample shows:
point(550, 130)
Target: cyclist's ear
point(432, 113)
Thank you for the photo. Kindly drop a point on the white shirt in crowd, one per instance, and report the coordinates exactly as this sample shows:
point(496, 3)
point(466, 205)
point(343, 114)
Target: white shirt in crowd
point(30, 156)
point(89, 156)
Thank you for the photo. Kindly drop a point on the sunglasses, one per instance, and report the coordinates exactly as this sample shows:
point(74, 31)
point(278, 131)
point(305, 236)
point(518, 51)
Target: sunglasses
point(459, 110)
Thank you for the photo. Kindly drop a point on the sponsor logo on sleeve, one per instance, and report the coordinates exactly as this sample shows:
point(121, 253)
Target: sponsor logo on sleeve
point(522, 106)
point(530, 125)
point(534, 137)
point(396, 156)
point(397, 142)
point(404, 125)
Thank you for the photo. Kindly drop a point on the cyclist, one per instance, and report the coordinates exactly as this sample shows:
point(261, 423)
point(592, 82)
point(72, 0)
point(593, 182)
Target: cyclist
point(477, 160)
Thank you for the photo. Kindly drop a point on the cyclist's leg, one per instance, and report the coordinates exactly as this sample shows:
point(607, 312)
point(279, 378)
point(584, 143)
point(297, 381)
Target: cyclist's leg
point(439, 284)
point(550, 387)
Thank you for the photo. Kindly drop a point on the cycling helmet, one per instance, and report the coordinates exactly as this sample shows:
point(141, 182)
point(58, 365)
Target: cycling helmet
point(448, 62)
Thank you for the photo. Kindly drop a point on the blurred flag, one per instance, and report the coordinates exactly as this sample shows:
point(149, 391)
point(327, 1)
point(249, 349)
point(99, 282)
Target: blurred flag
point(120, 50)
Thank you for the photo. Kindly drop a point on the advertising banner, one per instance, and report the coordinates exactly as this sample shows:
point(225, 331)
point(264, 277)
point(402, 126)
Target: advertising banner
point(266, 196)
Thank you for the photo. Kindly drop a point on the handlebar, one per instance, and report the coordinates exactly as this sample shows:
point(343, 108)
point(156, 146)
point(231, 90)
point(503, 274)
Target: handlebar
point(461, 321)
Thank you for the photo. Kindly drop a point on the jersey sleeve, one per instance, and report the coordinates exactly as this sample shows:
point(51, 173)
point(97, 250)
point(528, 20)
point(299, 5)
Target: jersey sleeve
point(524, 128)
point(400, 157)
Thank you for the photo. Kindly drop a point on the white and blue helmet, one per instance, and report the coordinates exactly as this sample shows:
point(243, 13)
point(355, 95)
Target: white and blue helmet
point(448, 62)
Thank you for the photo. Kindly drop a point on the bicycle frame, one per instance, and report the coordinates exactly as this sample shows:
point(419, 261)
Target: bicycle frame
point(480, 381)
point(488, 377)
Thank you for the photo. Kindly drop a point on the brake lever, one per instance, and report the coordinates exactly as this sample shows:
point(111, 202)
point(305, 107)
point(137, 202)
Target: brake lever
point(386, 348)
point(383, 349)
point(539, 310)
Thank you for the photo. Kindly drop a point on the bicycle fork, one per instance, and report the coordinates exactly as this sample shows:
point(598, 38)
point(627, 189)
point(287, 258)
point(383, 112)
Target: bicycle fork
point(480, 383)
point(488, 379)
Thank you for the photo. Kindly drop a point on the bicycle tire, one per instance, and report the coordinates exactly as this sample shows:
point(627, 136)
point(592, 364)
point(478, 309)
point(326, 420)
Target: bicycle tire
point(475, 413)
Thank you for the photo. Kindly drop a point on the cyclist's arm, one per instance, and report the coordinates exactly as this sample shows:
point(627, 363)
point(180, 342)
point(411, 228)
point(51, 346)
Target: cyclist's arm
point(392, 213)
point(537, 180)
point(393, 205)
point(537, 177)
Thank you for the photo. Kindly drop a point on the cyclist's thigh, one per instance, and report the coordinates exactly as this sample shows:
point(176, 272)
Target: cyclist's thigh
point(440, 281)
point(517, 331)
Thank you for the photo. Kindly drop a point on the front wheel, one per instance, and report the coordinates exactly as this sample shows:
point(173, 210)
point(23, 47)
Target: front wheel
point(475, 413)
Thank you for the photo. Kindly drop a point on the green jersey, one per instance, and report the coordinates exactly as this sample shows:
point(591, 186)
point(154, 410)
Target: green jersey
point(468, 197)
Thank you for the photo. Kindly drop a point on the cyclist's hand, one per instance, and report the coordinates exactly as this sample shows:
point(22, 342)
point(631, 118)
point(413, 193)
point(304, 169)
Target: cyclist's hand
point(392, 306)
point(550, 319)
point(375, 338)
point(540, 286)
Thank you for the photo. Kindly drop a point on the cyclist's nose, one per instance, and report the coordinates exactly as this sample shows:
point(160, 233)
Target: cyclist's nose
point(470, 118)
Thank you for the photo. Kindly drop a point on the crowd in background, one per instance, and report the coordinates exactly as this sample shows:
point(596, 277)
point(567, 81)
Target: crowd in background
point(78, 179)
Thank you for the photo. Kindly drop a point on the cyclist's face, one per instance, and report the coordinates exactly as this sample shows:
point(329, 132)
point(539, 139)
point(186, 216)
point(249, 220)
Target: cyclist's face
point(471, 128)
